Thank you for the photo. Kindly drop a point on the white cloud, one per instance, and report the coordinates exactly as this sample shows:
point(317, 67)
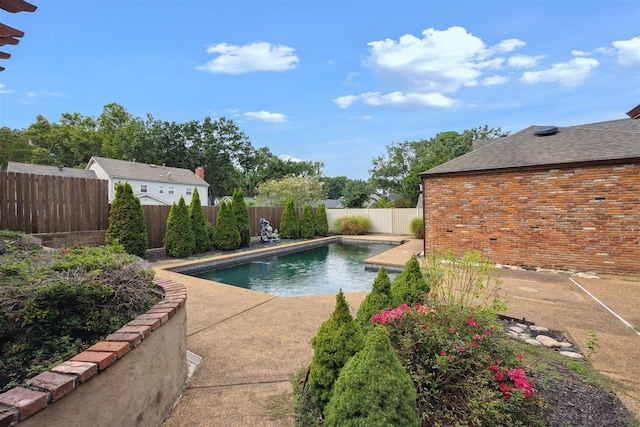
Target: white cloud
point(577, 52)
point(421, 71)
point(288, 158)
point(628, 51)
point(3, 89)
point(265, 116)
point(494, 80)
point(524, 61)
point(570, 74)
point(249, 58)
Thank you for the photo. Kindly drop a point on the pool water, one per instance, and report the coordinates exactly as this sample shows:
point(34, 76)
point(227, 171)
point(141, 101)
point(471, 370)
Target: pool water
point(322, 270)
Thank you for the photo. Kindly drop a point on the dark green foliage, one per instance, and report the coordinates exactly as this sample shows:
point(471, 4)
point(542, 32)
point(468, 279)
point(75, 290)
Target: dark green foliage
point(179, 241)
point(377, 300)
point(56, 304)
point(410, 286)
point(126, 222)
point(307, 223)
point(198, 223)
point(338, 338)
point(322, 223)
point(289, 223)
point(226, 234)
point(241, 215)
point(373, 389)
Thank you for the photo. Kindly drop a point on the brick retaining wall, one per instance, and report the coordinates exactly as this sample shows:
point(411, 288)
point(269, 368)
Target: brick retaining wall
point(580, 218)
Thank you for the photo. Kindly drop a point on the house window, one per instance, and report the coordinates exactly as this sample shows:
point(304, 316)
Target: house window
point(189, 190)
point(161, 189)
point(171, 190)
point(143, 188)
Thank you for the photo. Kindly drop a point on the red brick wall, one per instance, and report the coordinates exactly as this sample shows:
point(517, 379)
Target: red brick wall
point(582, 218)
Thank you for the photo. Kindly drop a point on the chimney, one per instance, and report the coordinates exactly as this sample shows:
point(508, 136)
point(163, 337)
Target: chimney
point(200, 172)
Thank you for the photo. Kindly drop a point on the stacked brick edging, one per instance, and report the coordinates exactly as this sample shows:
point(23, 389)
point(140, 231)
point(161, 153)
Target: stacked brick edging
point(44, 389)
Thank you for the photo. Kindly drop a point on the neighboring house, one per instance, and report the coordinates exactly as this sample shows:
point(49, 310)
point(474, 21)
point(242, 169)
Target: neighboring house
point(50, 170)
point(564, 198)
point(152, 184)
point(329, 204)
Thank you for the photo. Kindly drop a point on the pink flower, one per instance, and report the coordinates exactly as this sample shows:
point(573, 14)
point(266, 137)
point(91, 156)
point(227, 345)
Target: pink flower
point(474, 343)
point(452, 329)
point(450, 358)
point(520, 356)
point(499, 375)
point(487, 332)
point(505, 390)
point(471, 322)
point(443, 353)
point(460, 348)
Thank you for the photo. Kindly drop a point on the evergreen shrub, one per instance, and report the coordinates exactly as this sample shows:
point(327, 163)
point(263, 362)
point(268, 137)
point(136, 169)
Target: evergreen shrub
point(373, 389)
point(322, 223)
point(179, 241)
point(198, 223)
point(289, 223)
point(307, 223)
point(410, 286)
point(338, 338)
point(226, 234)
point(379, 299)
point(352, 225)
point(126, 222)
point(241, 215)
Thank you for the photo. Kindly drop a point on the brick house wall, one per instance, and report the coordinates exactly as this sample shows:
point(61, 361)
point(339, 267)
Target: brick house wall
point(580, 218)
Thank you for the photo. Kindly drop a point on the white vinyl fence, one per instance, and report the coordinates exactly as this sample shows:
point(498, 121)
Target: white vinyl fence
point(386, 221)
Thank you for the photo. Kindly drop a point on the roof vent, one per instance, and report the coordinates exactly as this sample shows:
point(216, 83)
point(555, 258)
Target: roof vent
point(546, 130)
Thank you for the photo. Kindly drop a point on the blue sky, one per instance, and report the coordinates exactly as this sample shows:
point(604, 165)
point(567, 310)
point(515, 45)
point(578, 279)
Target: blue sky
point(330, 81)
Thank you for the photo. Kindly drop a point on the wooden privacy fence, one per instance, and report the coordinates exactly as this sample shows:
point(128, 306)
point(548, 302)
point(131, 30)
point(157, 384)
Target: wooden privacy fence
point(52, 204)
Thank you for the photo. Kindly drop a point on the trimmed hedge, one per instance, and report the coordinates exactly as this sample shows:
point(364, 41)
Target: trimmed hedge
point(179, 241)
point(307, 223)
point(289, 223)
point(198, 223)
point(126, 222)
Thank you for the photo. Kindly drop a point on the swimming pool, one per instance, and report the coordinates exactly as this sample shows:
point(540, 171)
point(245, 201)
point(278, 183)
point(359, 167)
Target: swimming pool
point(321, 270)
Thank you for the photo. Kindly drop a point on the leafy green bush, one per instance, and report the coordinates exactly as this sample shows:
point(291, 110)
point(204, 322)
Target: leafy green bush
point(226, 234)
point(56, 304)
point(11, 241)
point(307, 223)
point(322, 223)
point(338, 338)
point(417, 228)
point(198, 223)
point(289, 223)
point(462, 367)
point(377, 300)
point(373, 389)
point(126, 222)
point(410, 286)
point(179, 241)
point(352, 225)
point(241, 215)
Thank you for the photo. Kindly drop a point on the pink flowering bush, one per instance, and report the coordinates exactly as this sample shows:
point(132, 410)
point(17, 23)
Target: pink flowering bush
point(461, 365)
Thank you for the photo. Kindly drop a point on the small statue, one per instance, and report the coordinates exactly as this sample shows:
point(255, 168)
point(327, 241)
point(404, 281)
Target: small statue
point(267, 234)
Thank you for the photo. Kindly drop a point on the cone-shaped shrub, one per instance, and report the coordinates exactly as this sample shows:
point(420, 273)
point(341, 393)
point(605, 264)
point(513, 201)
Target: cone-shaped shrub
point(307, 223)
point(289, 224)
point(410, 286)
point(226, 236)
point(338, 338)
point(179, 241)
point(126, 222)
point(241, 215)
point(198, 223)
point(377, 300)
point(322, 223)
point(373, 389)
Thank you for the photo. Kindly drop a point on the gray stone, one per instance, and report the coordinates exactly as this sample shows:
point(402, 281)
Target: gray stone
point(516, 329)
point(571, 354)
point(539, 328)
point(547, 341)
point(533, 342)
point(512, 335)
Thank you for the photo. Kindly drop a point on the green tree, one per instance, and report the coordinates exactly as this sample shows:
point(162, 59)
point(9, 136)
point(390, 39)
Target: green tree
point(289, 223)
point(338, 338)
point(126, 222)
point(322, 222)
point(373, 389)
point(307, 223)
point(241, 215)
point(226, 234)
point(298, 189)
point(334, 186)
point(356, 192)
point(121, 133)
point(377, 300)
point(410, 287)
point(198, 223)
point(179, 241)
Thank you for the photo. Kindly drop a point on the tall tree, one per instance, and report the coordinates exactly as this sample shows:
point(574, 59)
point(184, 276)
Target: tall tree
point(198, 223)
point(300, 190)
point(13, 147)
point(126, 222)
point(122, 134)
point(356, 192)
point(334, 186)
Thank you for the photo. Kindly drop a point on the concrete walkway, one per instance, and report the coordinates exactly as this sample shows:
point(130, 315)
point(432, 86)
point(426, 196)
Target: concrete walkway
point(252, 343)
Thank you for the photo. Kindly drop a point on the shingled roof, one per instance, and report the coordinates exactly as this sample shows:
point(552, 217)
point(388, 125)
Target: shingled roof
point(126, 170)
point(50, 170)
point(611, 141)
